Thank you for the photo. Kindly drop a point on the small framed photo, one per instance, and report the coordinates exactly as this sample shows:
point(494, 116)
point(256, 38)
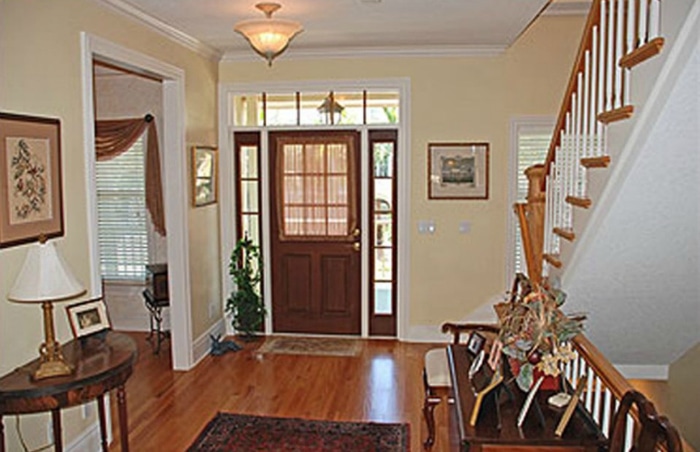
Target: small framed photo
point(88, 317)
point(458, 171)
point(31, 200)
point(476, 343)
point(204, 175)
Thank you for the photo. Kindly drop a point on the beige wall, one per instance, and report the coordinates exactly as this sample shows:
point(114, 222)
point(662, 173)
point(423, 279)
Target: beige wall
point(40, 75)
point(459, 100)
point(684, 407)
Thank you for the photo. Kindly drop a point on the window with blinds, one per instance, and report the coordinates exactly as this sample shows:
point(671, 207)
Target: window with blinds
point(122, 228)
point(531, 148)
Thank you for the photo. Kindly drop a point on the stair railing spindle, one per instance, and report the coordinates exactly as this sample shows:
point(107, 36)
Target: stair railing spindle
point(642, 22)
point(654, 19)
point(610, 61)
point(619, 53)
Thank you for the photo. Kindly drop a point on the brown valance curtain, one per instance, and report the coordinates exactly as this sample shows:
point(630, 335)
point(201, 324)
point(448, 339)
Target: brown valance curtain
point(116, 136)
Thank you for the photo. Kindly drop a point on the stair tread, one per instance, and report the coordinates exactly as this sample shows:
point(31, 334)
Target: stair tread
point(553, 260)
point(579, 202)
point(617, 114)
point(567, 234)
point(596, 162)
point(643, 53)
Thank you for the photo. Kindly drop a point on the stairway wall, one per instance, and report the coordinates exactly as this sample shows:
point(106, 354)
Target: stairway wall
point(635, 270)
point(685, 395)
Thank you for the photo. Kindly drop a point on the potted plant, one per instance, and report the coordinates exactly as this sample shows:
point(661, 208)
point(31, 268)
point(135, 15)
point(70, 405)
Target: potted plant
point(246, 303)
point(535, 333)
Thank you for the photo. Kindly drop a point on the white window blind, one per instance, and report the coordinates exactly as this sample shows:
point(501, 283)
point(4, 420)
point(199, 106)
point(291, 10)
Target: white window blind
point(532, 146)
point(122, 231)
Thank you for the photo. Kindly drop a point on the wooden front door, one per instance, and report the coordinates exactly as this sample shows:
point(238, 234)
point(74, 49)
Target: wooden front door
point(315, 236)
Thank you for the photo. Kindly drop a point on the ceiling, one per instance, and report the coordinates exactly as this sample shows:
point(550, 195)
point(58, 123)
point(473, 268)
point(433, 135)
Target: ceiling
point(356, 27)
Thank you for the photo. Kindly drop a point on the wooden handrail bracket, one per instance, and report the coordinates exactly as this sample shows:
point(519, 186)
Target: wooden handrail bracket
point(596, 162)
point(617, 114)
point(579, 202)
point(567, 234)
point(643, 53)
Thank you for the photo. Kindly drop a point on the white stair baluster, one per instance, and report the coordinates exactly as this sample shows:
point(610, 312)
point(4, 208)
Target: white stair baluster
point(642, 22)
point(619, 35)
point(609, 61)
point(654, 19)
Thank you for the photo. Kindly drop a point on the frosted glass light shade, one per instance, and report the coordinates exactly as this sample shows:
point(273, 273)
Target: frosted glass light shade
point(269, 37)
point(45, 276)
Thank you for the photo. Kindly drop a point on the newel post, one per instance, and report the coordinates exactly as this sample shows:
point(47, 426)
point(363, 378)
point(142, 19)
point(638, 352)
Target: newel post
point(534, 211)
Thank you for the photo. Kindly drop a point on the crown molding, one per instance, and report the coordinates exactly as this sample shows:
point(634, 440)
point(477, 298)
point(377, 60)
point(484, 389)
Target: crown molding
point(380, 52)
point(163, 28)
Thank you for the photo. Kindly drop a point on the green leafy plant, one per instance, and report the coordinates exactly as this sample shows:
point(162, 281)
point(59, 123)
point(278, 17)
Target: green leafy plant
point(246, 303)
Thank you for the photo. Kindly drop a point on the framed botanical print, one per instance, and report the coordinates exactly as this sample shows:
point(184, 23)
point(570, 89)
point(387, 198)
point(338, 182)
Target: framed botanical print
point(458, 171)
point(31, 198)
point(204, 175)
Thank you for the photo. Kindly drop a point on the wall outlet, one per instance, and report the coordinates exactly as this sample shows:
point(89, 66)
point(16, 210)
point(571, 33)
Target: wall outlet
point(212, 310)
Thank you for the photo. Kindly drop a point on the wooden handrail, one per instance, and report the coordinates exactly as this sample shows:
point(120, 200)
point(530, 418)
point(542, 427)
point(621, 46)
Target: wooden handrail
point(586, 42)
point(610, 376)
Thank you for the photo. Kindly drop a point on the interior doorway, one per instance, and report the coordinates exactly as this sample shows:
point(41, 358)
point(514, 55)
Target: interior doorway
point(175, 193)
point(315, 232)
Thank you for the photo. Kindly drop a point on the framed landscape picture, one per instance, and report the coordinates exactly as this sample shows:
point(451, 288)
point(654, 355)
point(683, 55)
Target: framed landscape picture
point(458, 171)
point(31, 198)
point(204, 175)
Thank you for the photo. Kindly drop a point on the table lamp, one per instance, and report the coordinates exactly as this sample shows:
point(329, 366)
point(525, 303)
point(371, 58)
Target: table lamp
point(45, 278)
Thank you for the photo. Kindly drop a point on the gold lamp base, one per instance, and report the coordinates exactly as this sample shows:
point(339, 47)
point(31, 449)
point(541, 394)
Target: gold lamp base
point(52, 363)
point(50, 369)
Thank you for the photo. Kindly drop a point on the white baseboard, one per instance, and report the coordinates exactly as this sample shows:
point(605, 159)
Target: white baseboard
point(425, 333)
point(87, 441)
point(201, 345)
point(643, 372)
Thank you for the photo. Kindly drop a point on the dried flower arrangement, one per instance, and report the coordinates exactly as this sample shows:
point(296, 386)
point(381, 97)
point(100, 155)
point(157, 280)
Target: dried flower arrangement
point(534, 332)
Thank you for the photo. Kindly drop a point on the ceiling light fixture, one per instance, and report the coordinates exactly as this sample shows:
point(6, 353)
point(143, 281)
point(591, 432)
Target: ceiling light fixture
point(269, 37)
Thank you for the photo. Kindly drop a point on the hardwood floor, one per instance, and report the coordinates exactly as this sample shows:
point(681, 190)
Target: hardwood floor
point(167, 409)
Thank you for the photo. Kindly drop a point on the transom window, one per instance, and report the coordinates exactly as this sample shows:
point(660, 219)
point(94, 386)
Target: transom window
point(342, 107)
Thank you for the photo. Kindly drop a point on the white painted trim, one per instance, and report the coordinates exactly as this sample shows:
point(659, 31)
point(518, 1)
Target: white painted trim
point(175, 192)
point(377, 52)
point(226, 159)
point(425, 334)
point(678, 56)
point(202, 344)
point(643, 372)
point(163, 28)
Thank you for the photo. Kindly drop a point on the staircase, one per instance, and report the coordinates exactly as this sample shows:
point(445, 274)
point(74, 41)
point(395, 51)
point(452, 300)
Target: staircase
point(617, 262)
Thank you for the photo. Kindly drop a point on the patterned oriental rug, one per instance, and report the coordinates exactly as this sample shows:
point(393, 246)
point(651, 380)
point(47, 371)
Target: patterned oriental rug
point(322, 346)
point(233, 432)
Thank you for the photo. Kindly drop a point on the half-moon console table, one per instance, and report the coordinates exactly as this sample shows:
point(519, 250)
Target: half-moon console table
point(102, 363)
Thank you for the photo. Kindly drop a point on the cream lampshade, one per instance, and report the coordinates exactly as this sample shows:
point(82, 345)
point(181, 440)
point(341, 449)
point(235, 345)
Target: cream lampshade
point(45, 278)
point(269, 37)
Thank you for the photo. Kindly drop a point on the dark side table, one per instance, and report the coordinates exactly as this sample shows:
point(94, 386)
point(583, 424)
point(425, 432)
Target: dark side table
point(102, 362)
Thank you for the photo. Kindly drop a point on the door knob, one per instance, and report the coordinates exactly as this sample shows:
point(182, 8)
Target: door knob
point(356, 246)
point(356, 232)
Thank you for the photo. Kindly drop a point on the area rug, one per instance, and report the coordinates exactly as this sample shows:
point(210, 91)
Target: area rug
point(310, 346)
point(234, 432)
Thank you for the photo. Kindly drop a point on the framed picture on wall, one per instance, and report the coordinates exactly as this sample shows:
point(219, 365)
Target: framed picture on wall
point(31, 198)
point(458, 171)
point(204, 175)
